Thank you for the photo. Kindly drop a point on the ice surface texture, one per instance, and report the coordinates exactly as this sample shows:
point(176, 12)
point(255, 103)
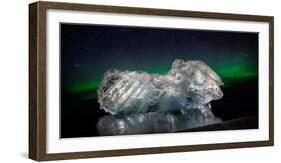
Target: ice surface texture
point(155, 122)
point(188, 85)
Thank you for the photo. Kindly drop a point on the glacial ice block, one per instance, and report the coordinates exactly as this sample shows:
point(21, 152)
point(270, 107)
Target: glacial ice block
point(188, 85)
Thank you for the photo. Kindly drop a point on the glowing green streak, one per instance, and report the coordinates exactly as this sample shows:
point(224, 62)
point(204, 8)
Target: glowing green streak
point(228, 73)
point(86, 86)
point(236, 71)
point(94, 85)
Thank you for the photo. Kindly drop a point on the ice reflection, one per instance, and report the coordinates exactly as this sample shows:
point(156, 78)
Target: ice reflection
point(155, 122)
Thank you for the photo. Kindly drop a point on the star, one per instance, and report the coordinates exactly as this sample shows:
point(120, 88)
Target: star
point(77, 65)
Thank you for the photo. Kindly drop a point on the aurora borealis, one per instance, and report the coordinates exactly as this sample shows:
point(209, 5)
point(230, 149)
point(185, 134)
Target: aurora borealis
point(89, 50)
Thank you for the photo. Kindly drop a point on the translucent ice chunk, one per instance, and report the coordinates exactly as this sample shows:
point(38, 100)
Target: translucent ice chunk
point(188, 85)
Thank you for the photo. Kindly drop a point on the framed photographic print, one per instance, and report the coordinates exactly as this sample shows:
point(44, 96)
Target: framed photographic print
point(111, 81)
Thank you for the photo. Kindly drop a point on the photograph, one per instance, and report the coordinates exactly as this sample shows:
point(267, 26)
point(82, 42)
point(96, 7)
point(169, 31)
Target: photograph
point(116, 80)
point(130, 80)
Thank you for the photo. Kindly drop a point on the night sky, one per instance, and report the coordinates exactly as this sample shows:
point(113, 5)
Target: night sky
point(88, 51)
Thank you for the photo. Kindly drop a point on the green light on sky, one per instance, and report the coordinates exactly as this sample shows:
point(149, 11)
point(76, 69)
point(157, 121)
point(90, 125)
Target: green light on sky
point(236, 71)
point(86, 86)
point(94, 85)
point(229, 74)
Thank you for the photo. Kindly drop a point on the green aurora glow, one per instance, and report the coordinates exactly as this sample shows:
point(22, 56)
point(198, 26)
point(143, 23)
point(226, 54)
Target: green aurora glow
point(86, 56)
point(229, 74)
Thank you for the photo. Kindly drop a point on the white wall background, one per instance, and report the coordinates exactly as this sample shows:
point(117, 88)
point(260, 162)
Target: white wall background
point(14, 80)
